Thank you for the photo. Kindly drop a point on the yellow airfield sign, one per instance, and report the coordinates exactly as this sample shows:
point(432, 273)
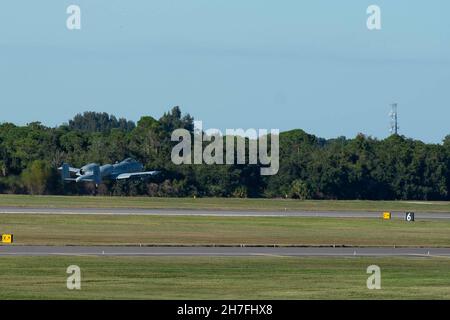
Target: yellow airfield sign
point(7, 238)
point(387, 215)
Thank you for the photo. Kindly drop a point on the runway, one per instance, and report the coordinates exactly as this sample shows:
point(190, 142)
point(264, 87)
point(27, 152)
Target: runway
point(218, 213)
point(221, 251)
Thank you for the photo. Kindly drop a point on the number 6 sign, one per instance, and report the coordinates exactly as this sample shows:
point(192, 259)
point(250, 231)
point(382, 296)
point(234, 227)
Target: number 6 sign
point(409, 216)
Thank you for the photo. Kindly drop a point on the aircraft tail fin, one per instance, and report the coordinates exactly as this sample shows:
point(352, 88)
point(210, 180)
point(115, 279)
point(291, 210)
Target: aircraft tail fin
point(65, 173)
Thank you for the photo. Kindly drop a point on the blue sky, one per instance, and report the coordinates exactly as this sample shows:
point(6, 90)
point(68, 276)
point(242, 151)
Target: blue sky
point(232, 64)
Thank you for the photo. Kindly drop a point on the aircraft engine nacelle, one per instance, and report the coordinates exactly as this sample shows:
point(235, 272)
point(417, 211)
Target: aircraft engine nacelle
point(88, 169)
point(91, 173)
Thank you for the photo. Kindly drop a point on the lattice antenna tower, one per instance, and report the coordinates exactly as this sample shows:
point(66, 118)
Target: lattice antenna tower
point(394, 119)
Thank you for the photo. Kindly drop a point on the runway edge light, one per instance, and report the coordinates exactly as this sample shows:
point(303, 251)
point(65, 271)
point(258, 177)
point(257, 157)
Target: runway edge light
point(7, 238)
point(387, 215)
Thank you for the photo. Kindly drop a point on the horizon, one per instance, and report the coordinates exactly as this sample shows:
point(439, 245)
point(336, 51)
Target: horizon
point(221, 130)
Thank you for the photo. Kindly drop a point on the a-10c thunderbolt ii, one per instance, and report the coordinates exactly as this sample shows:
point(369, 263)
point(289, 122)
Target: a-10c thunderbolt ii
point(128, 168)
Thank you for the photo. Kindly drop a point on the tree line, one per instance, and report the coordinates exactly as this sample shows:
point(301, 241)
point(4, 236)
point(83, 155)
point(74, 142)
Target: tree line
point(310, 167)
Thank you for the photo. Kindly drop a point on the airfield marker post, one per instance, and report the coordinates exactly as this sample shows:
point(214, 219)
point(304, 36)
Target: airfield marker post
point(409, 217)
point(7, 238)
point(387, 216)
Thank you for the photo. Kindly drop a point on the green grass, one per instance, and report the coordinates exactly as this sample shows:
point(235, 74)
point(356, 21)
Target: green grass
point(223, 278)
point(111, 230)
point(218, 203)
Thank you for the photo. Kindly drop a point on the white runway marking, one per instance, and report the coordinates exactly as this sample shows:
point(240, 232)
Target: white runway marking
point(221, 251)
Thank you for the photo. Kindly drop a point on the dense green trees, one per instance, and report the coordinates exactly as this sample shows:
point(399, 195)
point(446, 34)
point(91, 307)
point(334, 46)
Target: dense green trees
point(310, 167)
point(99, 122)
point(37, 176)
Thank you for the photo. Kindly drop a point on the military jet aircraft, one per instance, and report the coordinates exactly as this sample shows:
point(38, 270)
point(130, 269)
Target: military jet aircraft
point(128, 168)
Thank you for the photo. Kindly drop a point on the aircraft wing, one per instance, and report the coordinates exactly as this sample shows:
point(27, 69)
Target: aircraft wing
point(136, 175)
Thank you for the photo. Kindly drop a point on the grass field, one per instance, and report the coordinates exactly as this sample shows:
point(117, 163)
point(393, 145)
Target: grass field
point(111, 230)
point(218, 203)
point(223, 278)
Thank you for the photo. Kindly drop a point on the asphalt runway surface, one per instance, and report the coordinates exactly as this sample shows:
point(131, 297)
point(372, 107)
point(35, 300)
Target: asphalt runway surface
point(219, 251)
point(219, 213)
point(14, 250)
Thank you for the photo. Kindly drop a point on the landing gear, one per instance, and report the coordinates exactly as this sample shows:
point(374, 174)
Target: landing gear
point(95, 192)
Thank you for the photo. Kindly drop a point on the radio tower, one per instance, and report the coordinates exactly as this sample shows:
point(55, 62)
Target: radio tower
point(394, 119)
